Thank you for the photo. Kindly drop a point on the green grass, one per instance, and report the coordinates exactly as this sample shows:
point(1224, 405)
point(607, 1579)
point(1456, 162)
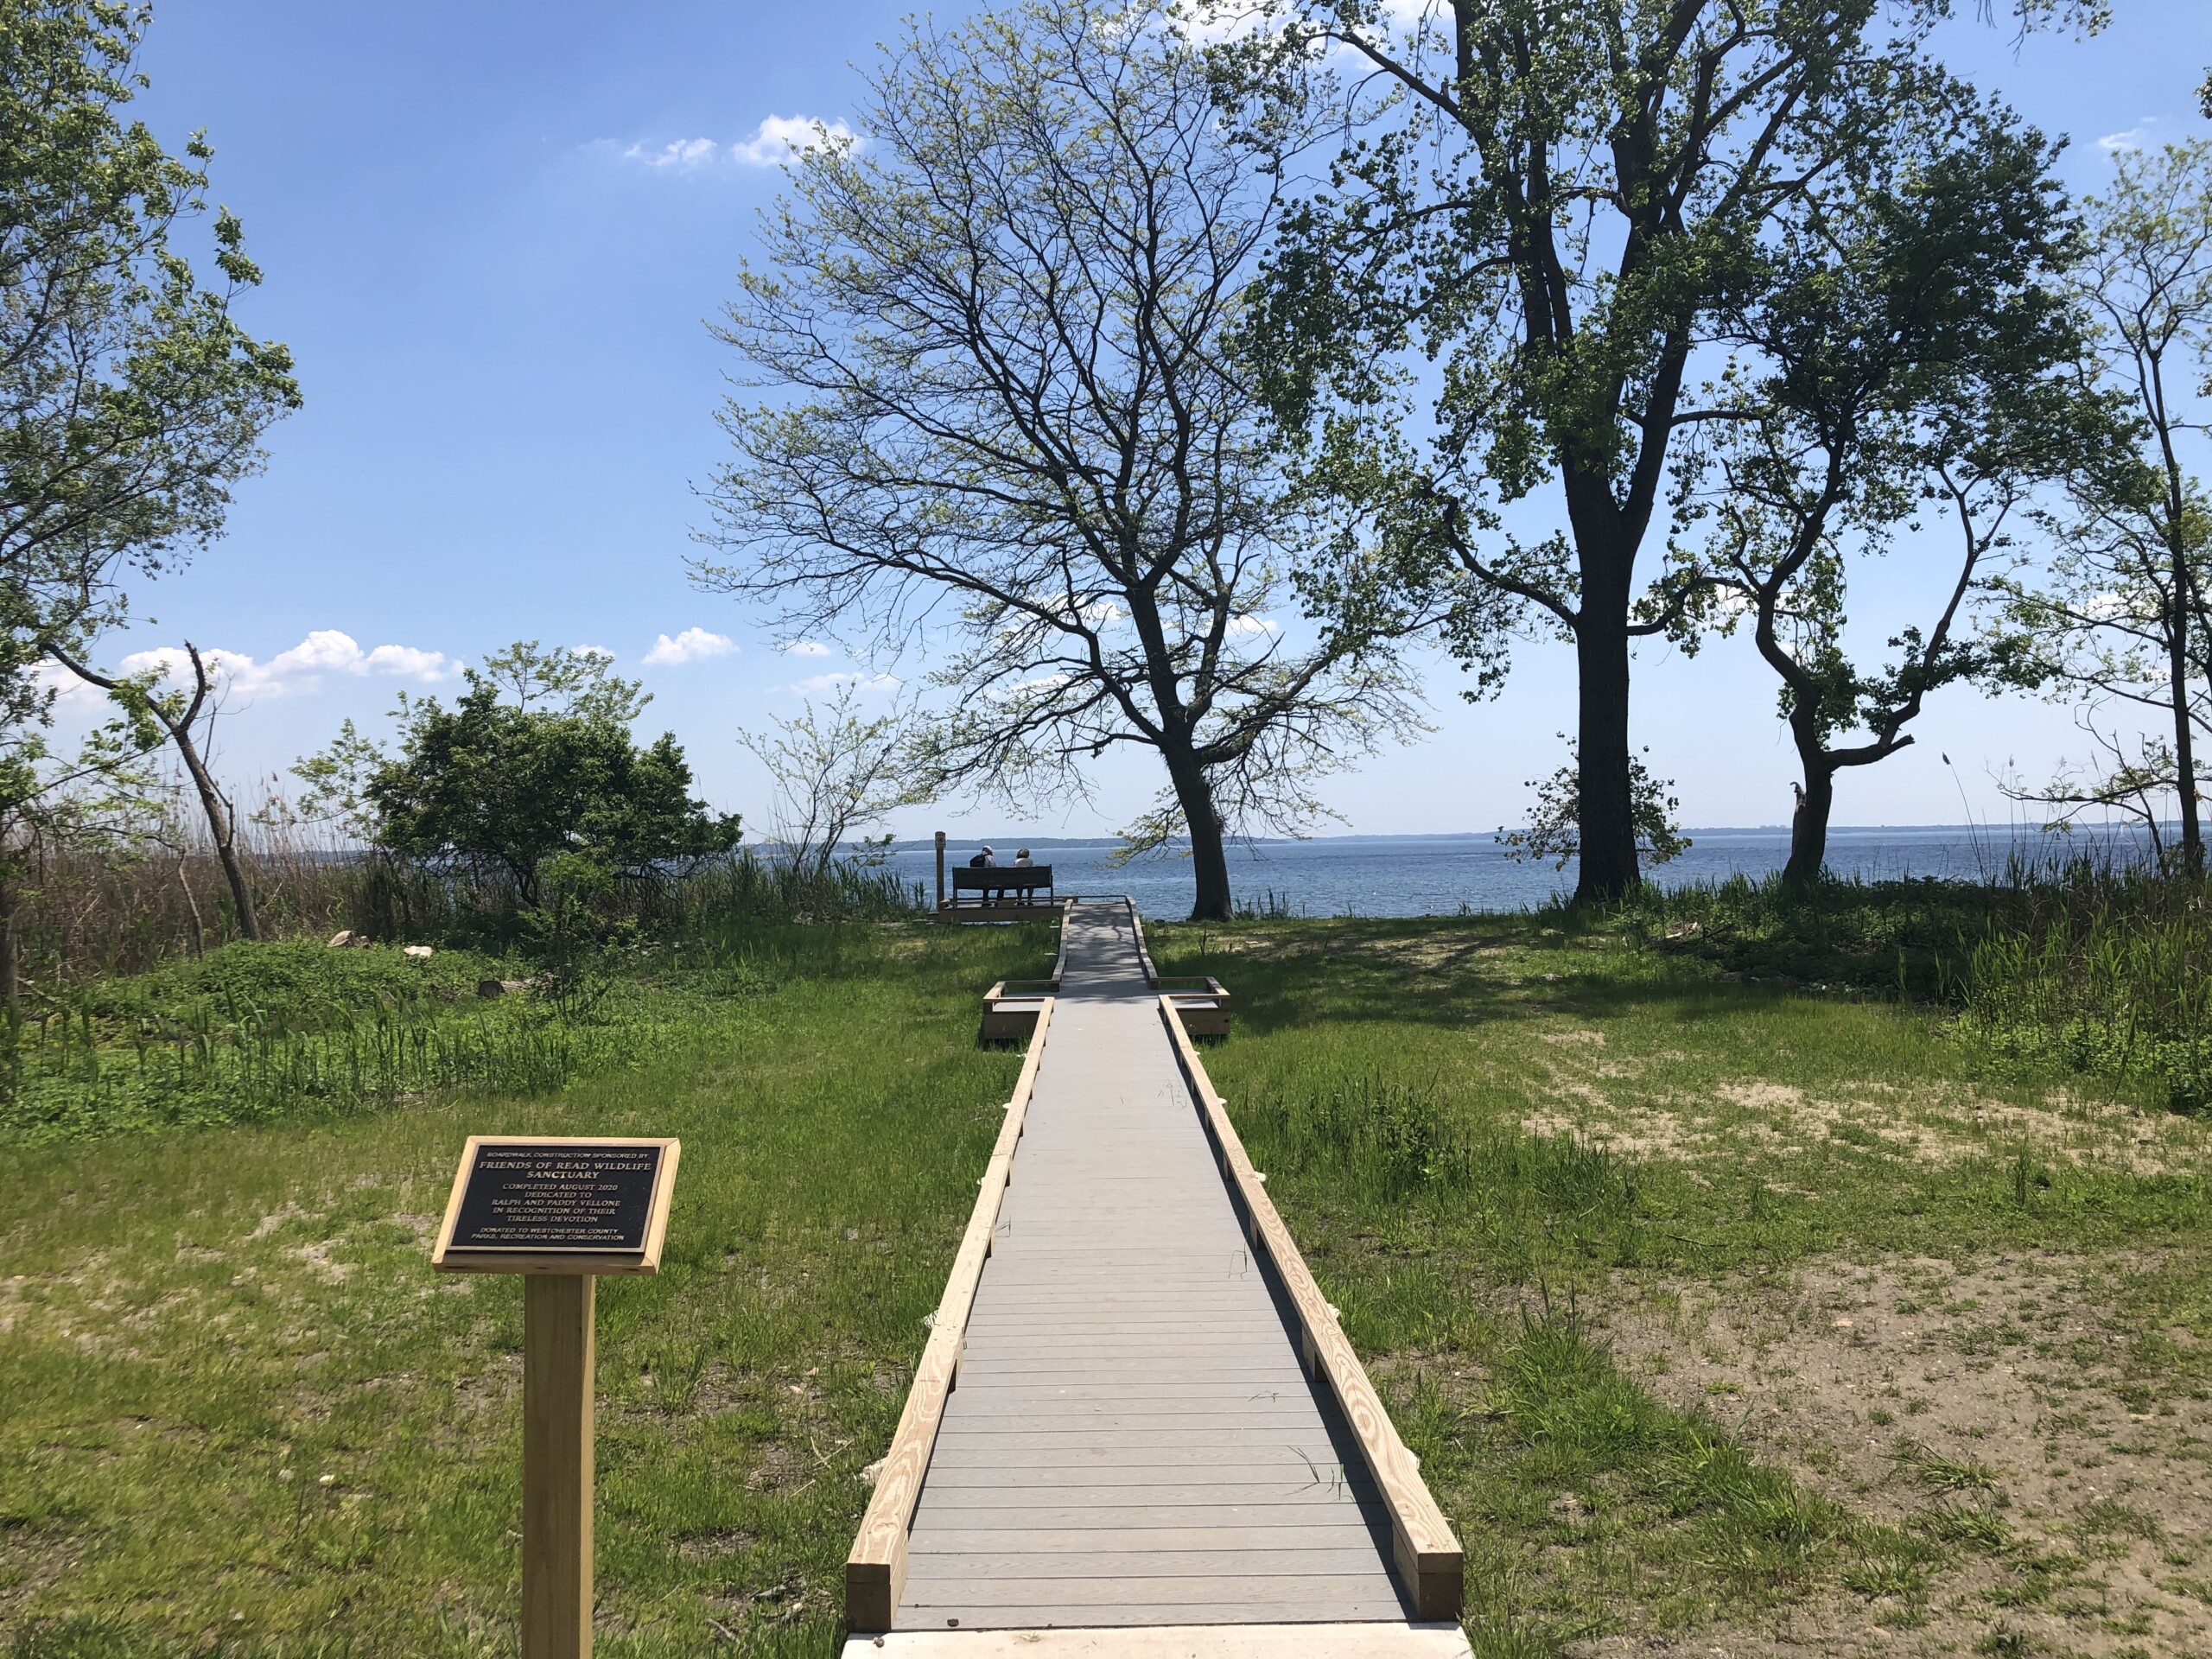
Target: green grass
point(256, 1033)
point(1498, 1141)
point(244, 1418)
point(2067, 964)
point(1490, 1136)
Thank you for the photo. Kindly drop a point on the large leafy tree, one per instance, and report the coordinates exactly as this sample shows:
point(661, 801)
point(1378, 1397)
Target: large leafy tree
point(1541, 216)
point(1907, 379)
point(1006, 421)
point(533, 762)
point(130, 398)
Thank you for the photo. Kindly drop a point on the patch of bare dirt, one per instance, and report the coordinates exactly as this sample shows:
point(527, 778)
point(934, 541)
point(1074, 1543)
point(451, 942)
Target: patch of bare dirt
point(1761, 1096)
point(1645, 1133)
point(322, 1264)
point(269, 1224)
point(1936, 1124)
point(714, 1546)
point(31, 1562)
point(1983, 1408)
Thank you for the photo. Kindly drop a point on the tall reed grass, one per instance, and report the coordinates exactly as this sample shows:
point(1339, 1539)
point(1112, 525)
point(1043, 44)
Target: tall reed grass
point(2107, 973)
point(2096, 963)
point(82, 918)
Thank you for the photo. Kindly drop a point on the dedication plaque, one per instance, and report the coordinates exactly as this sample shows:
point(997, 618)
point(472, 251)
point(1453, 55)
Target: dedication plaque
point(527, 1204)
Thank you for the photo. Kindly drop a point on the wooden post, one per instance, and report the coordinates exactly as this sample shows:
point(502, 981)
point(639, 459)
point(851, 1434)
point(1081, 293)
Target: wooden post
point(940, 869)
point(557, 1464)
point(559, 1209)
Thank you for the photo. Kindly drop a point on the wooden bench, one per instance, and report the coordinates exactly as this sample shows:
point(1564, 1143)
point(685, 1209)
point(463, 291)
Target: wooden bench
point(1022, 878)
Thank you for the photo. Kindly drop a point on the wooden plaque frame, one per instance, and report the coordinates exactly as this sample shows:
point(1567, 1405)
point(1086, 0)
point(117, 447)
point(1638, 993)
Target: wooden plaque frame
point(445, 1259)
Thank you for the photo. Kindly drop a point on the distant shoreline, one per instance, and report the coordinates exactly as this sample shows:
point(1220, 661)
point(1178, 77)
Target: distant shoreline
point(1016, 838)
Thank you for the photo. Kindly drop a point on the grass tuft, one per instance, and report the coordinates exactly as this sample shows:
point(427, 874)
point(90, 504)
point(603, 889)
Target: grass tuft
point(1943, 1474)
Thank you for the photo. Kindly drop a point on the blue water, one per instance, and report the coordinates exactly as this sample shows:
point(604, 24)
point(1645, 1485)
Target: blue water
point(1438, 875)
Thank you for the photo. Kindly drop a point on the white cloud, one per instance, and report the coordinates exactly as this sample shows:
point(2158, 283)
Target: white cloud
point(1216, 22)
point(808, 648)
point(1253, 625)
point(2133, 138)
point(779, 137)
point(407, 663)
point(775, 141)
point(693, 645)
point(296, 671)
point(685, 156)
point(1221, 20)
point(858, 682)
point(69, 691)
point(600, 651)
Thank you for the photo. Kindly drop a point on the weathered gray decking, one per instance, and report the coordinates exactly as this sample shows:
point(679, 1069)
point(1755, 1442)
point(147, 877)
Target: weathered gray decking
point(1132, 1440)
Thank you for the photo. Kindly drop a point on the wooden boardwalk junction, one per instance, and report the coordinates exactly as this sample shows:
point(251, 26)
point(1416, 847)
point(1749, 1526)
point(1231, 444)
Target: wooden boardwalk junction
point(1137, 1429)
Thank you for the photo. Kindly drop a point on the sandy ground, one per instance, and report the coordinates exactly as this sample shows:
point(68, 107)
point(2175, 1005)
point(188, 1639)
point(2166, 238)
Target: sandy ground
point(1990, 1402)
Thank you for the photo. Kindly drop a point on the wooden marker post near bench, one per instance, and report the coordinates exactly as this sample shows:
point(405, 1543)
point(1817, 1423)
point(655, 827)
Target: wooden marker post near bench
point(561, 1211)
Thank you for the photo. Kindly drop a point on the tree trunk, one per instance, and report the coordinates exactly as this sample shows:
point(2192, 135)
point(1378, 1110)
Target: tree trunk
point(1605, 809)
point(11, 994)
point(2192, 839)
point(221, 826)
point(1808, 826)
point(1209, 852)
point(1209, 866)
point(192, 910)
point(2149, 358)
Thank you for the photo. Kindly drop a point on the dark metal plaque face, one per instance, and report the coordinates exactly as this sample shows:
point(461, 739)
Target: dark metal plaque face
point(597, 1200)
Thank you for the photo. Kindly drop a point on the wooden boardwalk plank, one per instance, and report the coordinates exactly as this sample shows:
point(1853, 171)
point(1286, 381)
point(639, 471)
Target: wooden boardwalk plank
point(1253, 1556)
point(1325, 1595)
point(1273, 1611)
point(1091, 1540)
point(1132, 1439)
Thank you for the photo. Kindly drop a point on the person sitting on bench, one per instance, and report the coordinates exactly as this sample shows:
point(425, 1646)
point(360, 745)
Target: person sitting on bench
point(1023, 861)
point(987, 859)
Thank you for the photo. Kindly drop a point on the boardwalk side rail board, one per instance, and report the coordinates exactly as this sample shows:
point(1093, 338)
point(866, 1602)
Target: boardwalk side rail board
point(1424, 1550)
point(1011, 1008)
point(875, 1570)
point(1144, 955)
point(1202, 1000)
point(1061, 961)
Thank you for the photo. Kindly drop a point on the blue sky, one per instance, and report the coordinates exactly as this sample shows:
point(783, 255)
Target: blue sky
point(493, 234)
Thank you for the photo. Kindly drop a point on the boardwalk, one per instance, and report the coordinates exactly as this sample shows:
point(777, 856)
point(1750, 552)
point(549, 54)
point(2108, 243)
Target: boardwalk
point(1133, 1440)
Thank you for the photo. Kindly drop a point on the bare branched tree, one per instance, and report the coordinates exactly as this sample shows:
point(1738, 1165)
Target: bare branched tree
point(188, 719)
point(1007, 417)
point(835, 773)
point(2138, 785)
point(2123, 615)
